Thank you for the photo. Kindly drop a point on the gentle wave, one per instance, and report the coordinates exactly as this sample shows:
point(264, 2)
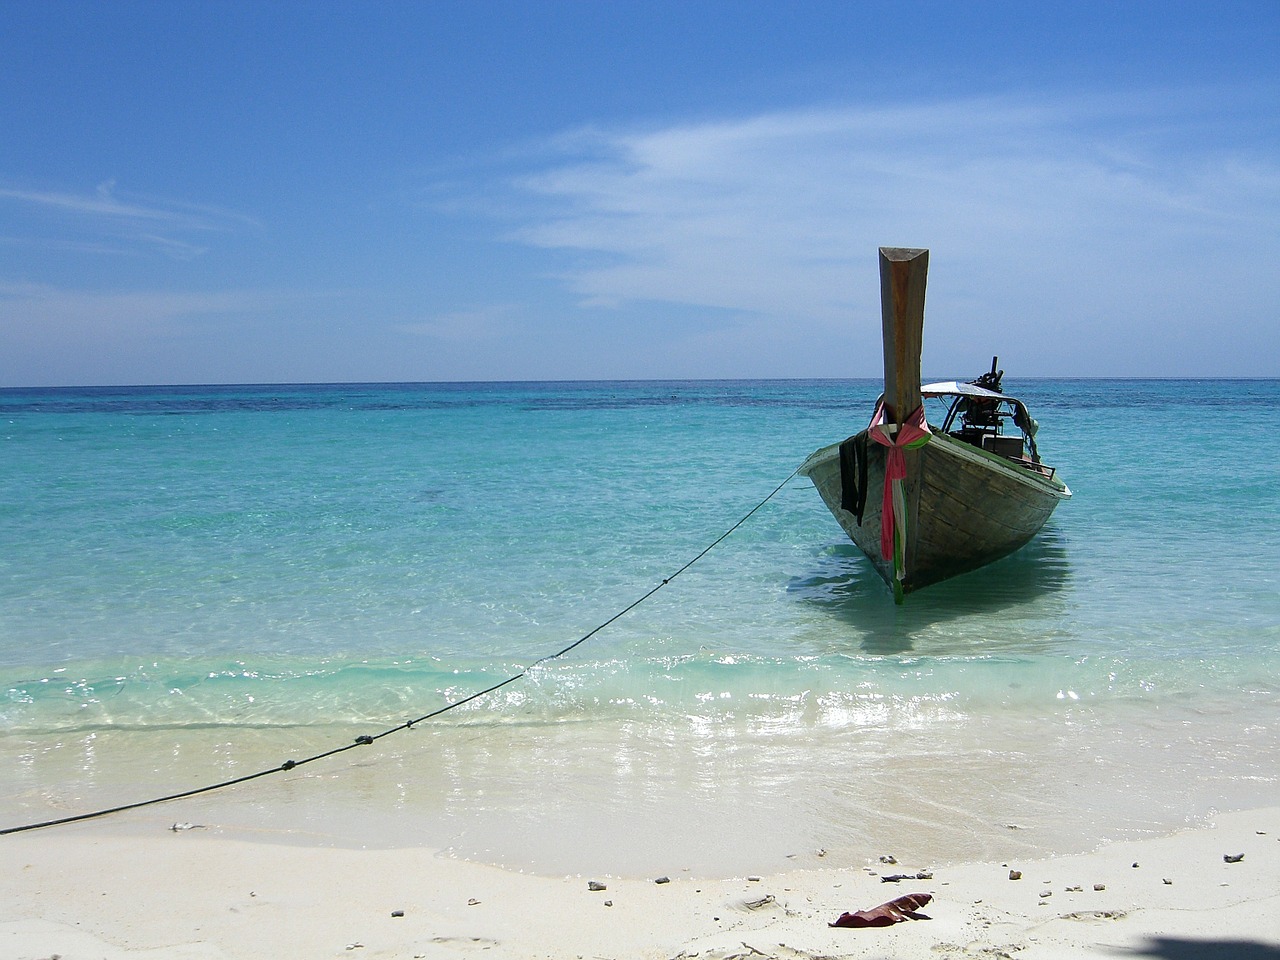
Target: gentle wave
point(818, 691)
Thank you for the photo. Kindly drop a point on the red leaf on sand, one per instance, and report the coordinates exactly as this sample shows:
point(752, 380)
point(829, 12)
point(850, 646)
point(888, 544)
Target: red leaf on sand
point(887, 914)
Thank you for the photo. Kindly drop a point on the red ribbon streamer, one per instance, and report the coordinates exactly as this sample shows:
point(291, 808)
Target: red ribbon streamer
point(914, 432)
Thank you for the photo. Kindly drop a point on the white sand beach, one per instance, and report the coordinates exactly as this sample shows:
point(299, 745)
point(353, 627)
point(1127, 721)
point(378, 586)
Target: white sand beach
point(199, 893)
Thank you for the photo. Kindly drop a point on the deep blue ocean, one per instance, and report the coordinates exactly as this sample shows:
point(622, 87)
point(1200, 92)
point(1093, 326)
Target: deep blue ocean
point(247, 565)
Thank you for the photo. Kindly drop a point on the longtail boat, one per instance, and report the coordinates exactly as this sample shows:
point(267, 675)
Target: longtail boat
point(924, 502)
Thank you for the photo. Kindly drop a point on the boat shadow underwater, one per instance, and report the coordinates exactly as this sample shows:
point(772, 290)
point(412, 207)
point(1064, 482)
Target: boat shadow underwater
point(848, 588)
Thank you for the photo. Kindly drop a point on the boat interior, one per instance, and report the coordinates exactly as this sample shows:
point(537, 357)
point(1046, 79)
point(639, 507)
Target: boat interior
point(981, 415)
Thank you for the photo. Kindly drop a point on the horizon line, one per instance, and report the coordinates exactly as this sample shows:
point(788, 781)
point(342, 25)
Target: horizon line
point(557, 380)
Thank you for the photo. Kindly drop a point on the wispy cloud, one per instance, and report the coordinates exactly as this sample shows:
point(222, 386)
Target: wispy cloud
point(1084, 210)
point(107, 220)
point(101, 203)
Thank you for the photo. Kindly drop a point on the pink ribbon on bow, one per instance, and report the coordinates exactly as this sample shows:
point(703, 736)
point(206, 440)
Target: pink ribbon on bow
point(913, 433)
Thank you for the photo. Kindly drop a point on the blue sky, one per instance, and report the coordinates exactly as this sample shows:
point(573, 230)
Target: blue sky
point(339, 191)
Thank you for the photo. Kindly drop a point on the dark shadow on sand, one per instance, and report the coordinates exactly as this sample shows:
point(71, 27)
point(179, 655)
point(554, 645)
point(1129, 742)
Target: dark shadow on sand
point(1177, 948)
point(846, 586)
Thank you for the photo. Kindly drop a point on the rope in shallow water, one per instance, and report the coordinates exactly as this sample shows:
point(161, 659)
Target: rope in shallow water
point(367, 739)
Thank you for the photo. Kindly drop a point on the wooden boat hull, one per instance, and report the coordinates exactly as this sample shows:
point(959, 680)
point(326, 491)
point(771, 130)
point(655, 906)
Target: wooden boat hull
point(969, 507)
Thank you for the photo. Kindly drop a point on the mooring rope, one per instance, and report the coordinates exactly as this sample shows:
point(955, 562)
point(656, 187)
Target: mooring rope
point(367, 739)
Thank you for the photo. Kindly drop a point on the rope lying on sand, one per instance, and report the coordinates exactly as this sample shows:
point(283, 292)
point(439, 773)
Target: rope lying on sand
point(368, 739)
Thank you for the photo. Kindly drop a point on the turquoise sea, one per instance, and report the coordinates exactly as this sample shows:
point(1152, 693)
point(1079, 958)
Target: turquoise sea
point(199, 582)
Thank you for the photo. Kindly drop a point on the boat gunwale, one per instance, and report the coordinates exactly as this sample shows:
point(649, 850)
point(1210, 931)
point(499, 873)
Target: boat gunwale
point(1015, 469)
point(965, 451)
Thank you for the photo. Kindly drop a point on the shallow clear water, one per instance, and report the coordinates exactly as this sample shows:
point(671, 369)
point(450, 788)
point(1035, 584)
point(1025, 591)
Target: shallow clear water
point(197, 580)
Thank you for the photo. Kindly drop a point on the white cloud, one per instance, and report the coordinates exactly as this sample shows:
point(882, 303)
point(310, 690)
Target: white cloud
point(1047, 221)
